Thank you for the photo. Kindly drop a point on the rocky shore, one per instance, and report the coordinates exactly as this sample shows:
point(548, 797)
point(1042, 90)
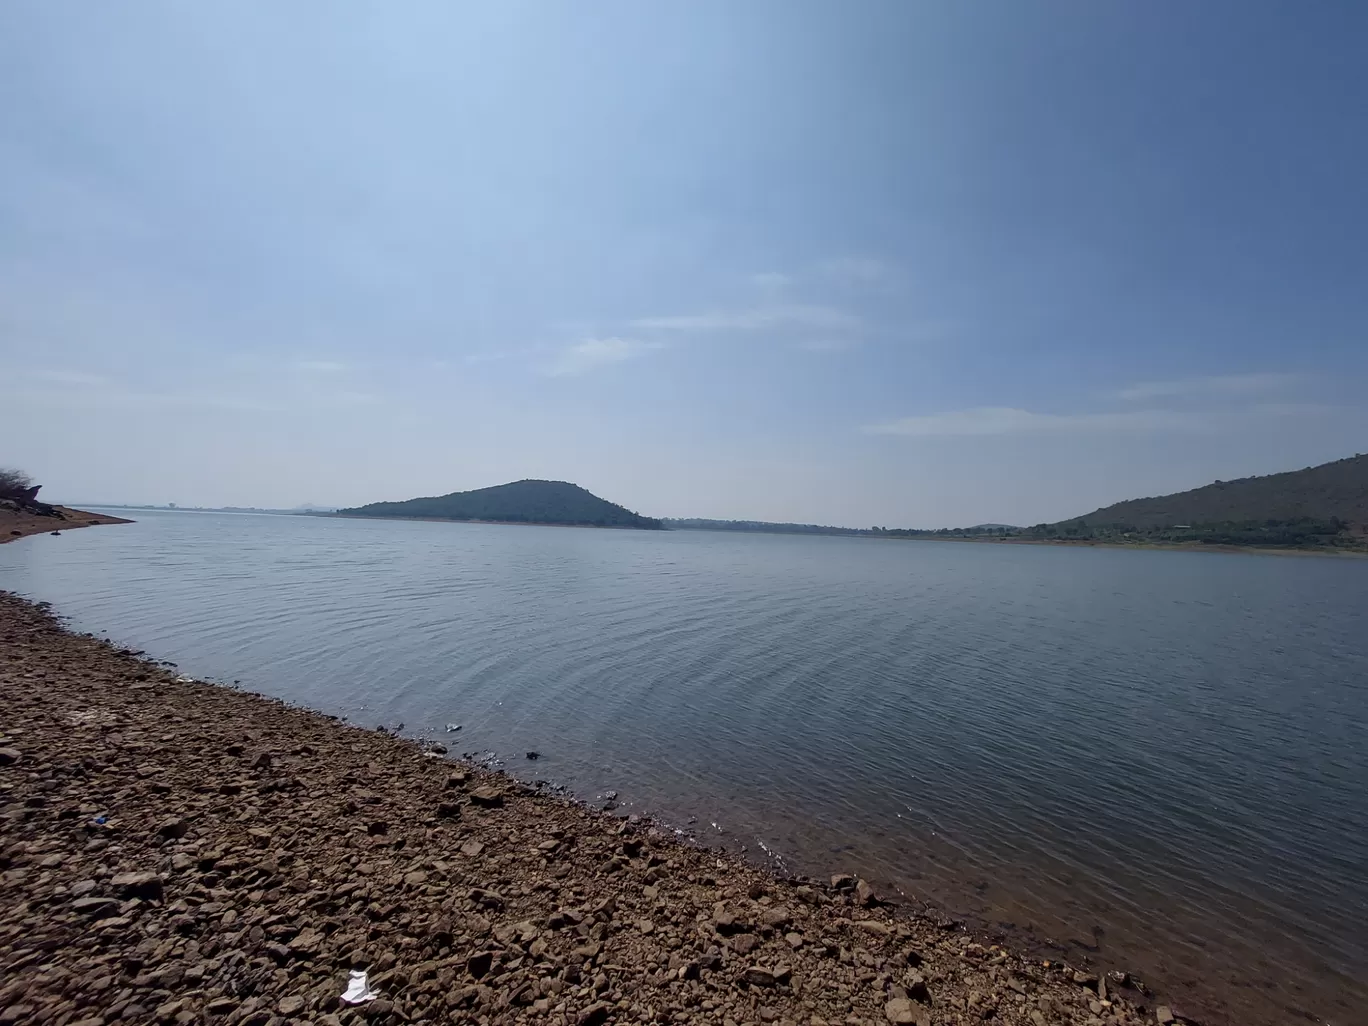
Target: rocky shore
point(177, 852)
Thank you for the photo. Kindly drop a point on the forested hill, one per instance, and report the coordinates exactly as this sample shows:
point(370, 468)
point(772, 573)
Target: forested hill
point(520, 502)
point(1336, 490)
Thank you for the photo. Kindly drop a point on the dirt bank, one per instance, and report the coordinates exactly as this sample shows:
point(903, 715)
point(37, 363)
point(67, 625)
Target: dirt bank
point(179, 852)
point(20, 523)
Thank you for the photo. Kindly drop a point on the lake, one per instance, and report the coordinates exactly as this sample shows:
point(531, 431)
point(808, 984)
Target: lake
point(1157, 760)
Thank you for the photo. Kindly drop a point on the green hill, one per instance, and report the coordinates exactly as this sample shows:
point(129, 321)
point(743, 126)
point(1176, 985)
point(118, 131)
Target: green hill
point(1338, 490)
point(1315, 507)
point(520, 502)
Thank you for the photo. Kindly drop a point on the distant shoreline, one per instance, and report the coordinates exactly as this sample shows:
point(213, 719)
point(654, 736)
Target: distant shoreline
point(989, 539)
point(15, 526)
point(1270, 550)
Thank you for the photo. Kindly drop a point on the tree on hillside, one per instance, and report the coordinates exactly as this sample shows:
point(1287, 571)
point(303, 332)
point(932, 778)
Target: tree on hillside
point(14, 484)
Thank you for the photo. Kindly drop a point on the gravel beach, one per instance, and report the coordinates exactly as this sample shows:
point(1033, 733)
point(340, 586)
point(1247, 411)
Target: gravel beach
point(179, 852)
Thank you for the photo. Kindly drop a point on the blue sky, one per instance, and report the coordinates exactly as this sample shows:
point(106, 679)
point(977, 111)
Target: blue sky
point(905, 264)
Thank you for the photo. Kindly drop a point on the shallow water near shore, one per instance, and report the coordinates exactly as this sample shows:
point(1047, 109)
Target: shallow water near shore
point(1154, 759)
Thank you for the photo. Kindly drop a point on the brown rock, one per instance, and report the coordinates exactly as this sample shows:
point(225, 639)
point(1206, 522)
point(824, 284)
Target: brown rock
point(743, 943)
point(96, 908)
point(147, 886)
point(901, 1010)
point(758, 976)
point(472, 848)
point(873, 927)
point(293, 1004)
point(307, 944)
point(479, 963)
point(487, 797)
point(1163, 1015)
point(173, 828)
point(776, 917)
point(167, 1011)
point(916, 988)
point(9, 756)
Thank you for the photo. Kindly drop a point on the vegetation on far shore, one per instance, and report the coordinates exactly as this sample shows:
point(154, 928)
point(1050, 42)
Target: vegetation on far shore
point(1319, 508)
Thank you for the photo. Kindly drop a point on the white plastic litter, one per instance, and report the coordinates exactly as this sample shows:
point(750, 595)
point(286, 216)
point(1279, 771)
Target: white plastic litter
point(357, 992)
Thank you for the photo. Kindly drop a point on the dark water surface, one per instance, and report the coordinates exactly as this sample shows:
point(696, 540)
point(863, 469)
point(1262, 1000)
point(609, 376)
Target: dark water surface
point(1157, 759)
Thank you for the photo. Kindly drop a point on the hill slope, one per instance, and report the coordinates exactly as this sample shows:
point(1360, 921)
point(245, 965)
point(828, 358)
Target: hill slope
point(1338, 490)
point(520, 502)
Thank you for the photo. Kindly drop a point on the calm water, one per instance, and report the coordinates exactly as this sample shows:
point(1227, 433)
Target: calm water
point(1156, 758)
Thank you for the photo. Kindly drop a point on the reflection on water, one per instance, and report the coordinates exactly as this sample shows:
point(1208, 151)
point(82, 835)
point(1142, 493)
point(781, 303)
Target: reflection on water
point(1155, 758)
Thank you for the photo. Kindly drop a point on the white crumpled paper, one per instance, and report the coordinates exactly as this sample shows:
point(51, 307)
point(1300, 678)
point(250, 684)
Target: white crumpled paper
point(357, 991)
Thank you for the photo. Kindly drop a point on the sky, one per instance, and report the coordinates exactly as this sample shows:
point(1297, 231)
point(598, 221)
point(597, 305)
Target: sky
point(906, 264)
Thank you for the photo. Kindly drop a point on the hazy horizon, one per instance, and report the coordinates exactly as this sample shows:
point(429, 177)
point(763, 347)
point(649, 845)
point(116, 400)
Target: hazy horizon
point(330, 507)
point(909, 265)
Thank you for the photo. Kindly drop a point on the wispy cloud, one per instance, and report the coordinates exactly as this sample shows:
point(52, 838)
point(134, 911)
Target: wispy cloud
point(489, 356)
point(828, 345)
point(761, 318)
point(1006, 420)
point(76, 379)
point(771, 281)
point(592, 353)
point(59, 389)
point(1211, 385)
point(320, 366)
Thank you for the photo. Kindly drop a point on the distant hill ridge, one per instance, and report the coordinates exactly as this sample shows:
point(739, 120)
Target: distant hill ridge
point(519, 502)
point(1332, 490)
